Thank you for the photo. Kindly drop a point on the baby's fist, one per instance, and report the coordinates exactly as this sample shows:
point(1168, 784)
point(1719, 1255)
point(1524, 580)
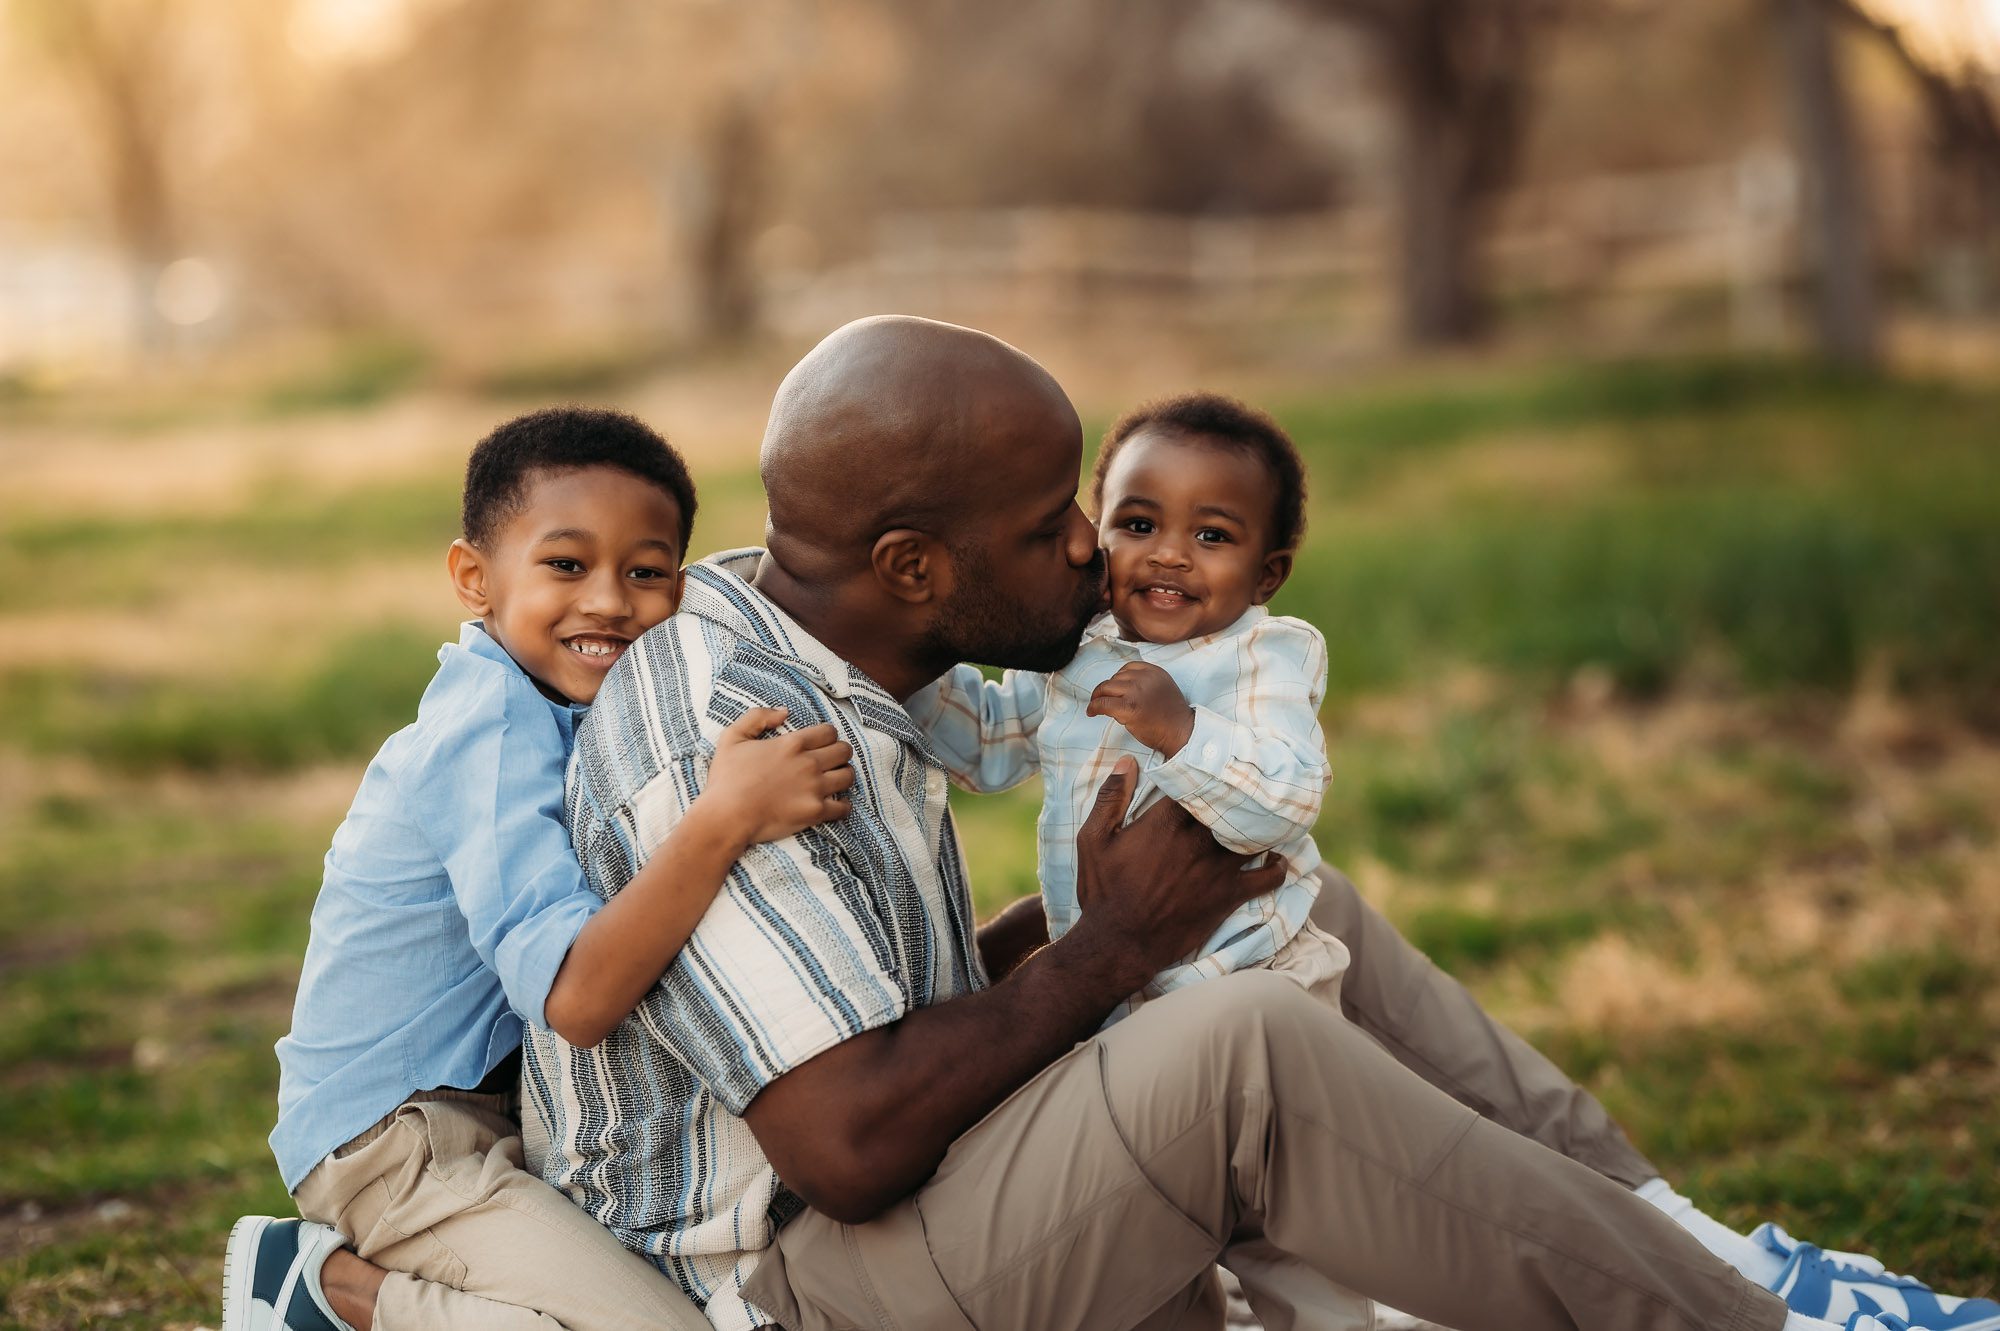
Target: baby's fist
point(1145, 700)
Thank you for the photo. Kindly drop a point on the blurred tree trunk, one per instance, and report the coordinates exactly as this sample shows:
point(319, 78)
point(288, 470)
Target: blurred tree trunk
point(1845, 311)
point(1462, 71)
point(118, 59)
point(1964, 185)
point(729, 200)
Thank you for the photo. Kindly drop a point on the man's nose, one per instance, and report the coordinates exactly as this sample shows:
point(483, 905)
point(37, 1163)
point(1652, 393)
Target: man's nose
point(1082, 546)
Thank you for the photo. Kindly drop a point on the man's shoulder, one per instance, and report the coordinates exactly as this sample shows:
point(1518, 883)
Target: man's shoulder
point(685, 679)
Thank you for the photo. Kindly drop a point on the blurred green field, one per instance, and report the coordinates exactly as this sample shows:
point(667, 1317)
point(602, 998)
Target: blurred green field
point(1665, 709)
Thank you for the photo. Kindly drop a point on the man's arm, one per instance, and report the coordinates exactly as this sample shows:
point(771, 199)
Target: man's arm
point(863, 1124)
point(1009, 938)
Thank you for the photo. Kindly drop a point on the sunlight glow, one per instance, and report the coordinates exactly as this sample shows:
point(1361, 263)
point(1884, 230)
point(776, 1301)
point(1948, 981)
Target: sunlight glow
point(1955, 33)
point(332, 32)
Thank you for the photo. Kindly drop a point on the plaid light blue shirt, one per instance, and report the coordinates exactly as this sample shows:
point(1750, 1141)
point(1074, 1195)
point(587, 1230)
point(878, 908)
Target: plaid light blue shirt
point(813, 940)
point(1253, 770)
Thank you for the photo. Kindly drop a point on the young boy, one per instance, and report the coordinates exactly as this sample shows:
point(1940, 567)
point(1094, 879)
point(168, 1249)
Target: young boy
point(453, 909)
point(1201, 504)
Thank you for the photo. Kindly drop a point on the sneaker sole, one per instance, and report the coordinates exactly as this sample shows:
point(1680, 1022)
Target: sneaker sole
point(238, 1264)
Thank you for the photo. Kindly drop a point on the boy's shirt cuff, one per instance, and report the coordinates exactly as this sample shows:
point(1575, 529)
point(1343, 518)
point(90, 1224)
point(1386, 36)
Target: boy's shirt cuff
point(533, 952)
point(1201, 760)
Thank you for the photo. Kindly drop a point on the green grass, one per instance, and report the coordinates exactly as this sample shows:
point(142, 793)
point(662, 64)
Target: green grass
point(1737, 548)
point(366, 687)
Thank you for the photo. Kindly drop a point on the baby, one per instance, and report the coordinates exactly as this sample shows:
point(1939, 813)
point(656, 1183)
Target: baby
point(1201, 504)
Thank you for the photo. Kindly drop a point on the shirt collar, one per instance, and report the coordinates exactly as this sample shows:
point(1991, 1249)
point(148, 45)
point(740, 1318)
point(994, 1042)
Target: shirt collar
point(718, 590)
point(1103, 634)
point(473, 638)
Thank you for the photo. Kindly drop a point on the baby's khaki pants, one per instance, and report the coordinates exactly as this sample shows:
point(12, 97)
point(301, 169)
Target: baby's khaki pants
point(437, 1193)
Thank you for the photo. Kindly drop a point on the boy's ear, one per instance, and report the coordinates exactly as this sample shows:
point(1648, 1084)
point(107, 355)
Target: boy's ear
point(1277, 567)
point(468, 577)
point(907, 564)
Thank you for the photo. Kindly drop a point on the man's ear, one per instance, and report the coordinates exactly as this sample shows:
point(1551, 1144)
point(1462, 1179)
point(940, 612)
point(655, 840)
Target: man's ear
point(468, 576)
point(910, 565)
point(1277, 567)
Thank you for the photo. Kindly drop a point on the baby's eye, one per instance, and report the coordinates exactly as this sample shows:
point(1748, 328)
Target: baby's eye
point(565, 565)
point(1212, 536)
point(1138, 526)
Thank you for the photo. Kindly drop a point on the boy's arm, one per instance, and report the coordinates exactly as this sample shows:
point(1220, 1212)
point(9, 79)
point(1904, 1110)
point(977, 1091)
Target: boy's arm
point(1256, 778)
point(757, 790)
point(984, 730)
point(489, 797)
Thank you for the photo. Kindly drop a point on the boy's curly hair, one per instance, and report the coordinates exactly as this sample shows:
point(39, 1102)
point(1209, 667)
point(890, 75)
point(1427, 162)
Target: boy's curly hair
point(565, 439)
point(1226, 422)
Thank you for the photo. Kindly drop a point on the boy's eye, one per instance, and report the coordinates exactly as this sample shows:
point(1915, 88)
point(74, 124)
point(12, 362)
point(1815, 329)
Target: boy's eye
point(565, 565)
point(647, 574)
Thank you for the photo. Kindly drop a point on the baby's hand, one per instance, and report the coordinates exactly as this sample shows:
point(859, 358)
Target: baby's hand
point(770, 788)
point(1145, 700)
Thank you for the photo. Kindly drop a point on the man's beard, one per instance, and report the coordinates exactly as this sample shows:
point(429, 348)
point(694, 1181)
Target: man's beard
point(982, 623)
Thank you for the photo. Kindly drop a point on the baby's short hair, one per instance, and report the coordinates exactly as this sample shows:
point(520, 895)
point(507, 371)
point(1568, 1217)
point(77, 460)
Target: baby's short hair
point(566, 439)
point(1231, 424)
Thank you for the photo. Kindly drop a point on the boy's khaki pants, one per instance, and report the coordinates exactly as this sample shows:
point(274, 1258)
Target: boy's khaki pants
point(437, 1193)
point(1240, 1119)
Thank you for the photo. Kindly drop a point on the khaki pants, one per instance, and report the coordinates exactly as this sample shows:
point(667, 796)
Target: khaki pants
point(1436, 1028)
point(437, 1193)
point(1240, 1120)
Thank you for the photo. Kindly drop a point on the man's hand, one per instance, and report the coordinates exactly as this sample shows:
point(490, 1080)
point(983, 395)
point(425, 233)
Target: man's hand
point(1145, 700)
point(863, 1124)
point(1154, 891)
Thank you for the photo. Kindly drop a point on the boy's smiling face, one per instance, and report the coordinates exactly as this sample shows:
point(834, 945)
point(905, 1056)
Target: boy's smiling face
point(1186, 525)
point(588, 562)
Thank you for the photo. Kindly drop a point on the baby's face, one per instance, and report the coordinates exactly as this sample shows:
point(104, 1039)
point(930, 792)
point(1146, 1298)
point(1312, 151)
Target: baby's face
point(591, 561)
point(1186, 527)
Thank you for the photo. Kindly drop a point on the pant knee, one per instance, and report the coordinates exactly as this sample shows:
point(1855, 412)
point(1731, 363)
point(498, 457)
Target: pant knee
point(1230, 1032)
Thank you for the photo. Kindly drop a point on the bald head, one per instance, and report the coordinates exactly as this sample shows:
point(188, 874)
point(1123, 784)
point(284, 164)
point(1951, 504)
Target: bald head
point(896, 422)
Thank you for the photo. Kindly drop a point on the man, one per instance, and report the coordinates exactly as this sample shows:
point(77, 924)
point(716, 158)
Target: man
point(827, 1116)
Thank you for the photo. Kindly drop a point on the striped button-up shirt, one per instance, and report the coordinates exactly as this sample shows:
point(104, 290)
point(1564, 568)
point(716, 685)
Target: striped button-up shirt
point(1253, 770)
point(812, 941)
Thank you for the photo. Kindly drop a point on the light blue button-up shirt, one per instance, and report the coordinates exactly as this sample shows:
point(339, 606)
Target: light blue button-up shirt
point(450, 898)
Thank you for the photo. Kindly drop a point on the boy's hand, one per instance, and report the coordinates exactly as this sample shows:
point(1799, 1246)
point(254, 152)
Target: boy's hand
point(770, 788)
point(1145, 700)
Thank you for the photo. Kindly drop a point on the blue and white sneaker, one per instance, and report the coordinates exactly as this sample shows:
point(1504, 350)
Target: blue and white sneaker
point(1837, 1285)
point(1870, 1322)
point(270, 1276)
